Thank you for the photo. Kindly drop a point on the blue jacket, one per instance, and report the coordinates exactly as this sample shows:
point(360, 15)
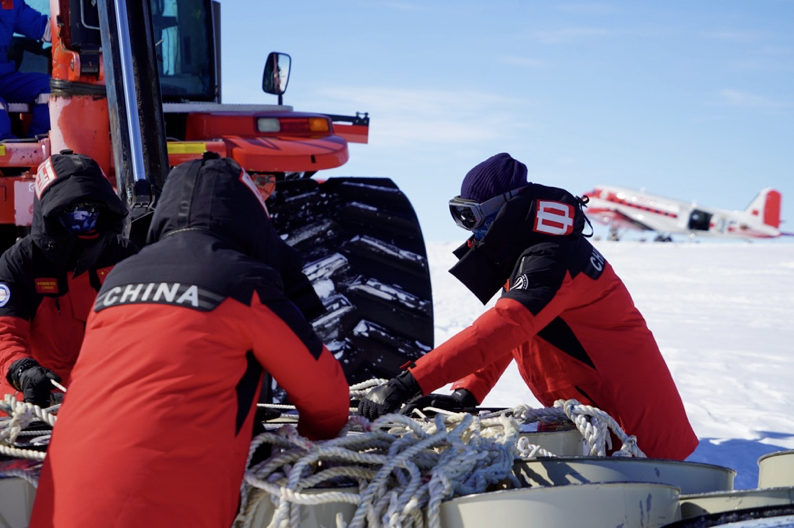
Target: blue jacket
point(17, 17)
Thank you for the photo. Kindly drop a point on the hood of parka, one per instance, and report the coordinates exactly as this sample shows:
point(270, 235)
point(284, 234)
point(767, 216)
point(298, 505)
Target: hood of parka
point(62, 180)
point(537, 214)
point(218, 197)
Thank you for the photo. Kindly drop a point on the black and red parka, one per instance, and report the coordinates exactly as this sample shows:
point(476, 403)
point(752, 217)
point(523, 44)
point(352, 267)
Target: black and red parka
point(567, 320)
point(156, 427)
point(50, 278)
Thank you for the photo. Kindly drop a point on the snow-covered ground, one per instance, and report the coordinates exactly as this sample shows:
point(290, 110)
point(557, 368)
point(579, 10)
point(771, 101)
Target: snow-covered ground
point(723, 315)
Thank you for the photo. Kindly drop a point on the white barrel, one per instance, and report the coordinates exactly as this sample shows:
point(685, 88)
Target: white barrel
point(562, 443)
point(689, 477)
point(780, 516)
point(724, 501)
point(776, 470)
point(311, 516)
point(627, 504)
point(785, 521)
point(16, 502)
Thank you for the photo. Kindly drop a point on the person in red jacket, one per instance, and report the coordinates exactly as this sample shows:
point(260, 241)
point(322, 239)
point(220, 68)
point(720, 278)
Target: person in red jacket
point(156, 427)
point(50, 278)
point(564, 316)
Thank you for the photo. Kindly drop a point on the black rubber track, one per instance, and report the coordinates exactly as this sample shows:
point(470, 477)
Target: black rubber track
point(366, 257)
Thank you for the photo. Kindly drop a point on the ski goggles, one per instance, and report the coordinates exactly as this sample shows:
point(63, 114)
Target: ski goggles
point(80, 218)
point(470, 214)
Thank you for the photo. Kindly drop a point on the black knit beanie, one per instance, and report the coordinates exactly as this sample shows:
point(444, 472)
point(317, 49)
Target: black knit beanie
point(496, 175)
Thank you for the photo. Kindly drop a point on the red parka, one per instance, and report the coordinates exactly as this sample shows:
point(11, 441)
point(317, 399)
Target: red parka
point(567, 320)
point(156, 427)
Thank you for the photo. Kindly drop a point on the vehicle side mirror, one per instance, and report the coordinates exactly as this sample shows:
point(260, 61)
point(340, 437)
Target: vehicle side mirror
point(276, 76)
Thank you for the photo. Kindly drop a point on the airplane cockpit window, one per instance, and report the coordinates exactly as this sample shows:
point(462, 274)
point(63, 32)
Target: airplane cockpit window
point(699, 220)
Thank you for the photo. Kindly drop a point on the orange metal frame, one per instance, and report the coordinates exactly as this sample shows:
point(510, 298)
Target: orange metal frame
point(81, 123)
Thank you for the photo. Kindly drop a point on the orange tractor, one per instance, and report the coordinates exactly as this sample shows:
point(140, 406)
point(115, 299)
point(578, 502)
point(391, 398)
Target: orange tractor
point(136, 85)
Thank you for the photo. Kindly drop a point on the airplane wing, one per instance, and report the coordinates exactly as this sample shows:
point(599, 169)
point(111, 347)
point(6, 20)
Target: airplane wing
point(614, 218)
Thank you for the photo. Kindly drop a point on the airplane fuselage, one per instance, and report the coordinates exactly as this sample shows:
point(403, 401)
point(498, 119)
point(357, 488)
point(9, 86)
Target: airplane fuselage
point(623, 208)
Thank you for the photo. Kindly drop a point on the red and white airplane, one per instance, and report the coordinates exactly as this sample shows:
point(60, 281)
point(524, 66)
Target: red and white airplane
point(622, 209)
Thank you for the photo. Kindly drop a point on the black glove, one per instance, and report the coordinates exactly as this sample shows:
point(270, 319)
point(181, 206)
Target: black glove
point(459, 401)
point(388, 398)
point(33, 380)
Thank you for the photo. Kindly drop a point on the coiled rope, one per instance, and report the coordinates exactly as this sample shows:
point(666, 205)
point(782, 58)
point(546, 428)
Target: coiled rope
point(393, 469)
point(20, 416)
point(593, 423)
point(397, 470)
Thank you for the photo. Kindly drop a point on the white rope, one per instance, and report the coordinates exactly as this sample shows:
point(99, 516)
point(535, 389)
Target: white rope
point(21, 453)
point(360, 389)
point(593, 423)
point(596, 430)
point(276, 406)
point(21, 415)
point(394, 467)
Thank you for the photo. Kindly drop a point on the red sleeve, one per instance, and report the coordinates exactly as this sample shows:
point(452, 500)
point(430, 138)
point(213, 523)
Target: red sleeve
point(14, 342)
point(490, 337)
point(312, 377)
point(481, 382)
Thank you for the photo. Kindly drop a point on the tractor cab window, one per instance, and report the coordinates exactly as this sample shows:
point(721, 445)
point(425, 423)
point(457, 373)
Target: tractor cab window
point(699, 220)
point(184, 43)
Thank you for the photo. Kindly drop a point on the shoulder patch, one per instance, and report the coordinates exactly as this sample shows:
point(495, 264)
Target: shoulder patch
point(553, 218)
point(5, 294)
point(521, 283)
point(44, 177)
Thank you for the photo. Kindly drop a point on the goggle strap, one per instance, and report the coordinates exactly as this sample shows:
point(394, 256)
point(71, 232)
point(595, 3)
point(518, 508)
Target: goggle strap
point(494, 204)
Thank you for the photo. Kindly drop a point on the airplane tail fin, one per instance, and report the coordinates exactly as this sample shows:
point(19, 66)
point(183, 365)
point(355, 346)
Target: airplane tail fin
point(766, 206)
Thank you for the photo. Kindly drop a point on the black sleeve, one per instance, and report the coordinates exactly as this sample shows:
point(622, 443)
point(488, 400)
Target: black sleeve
point(16, 292)
point(538, 275)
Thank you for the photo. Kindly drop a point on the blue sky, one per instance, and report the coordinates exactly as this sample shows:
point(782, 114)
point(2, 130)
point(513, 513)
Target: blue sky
point(690, 100)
